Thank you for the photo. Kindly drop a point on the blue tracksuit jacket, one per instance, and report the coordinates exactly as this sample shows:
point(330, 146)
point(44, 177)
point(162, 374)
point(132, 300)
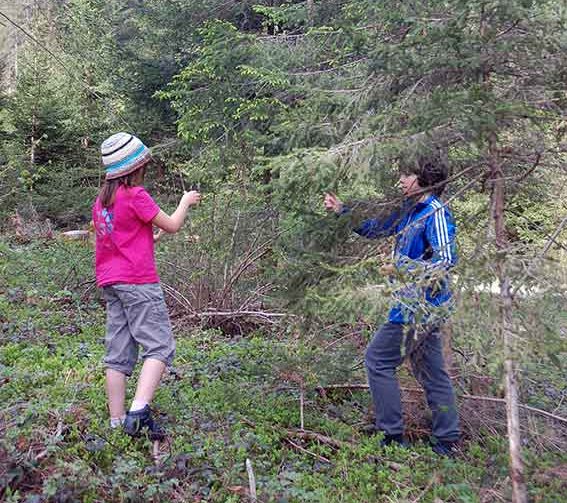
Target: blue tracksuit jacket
point(425, 248)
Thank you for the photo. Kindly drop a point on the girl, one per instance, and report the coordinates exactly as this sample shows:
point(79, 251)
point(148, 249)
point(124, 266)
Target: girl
point(123, 215)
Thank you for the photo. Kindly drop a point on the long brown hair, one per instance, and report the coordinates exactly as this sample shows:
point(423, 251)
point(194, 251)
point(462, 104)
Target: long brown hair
point(108, 190)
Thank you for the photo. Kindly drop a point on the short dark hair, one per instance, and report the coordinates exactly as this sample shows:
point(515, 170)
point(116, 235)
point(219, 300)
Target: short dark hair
point(431, 170)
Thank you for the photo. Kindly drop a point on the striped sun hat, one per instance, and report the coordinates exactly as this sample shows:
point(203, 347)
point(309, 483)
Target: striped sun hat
point(123, 154)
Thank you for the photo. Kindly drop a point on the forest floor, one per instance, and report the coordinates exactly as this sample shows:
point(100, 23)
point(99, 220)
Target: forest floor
point(221, 404)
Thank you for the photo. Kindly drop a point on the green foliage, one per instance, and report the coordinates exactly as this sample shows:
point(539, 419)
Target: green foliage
point(285, 17)
point(225, 400)
point(265, 106)
point(221, 97)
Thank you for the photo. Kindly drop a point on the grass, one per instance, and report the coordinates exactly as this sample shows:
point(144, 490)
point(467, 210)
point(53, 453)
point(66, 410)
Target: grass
point(226, 400)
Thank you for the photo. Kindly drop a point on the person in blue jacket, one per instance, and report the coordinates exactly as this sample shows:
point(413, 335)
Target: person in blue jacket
point(424, 251)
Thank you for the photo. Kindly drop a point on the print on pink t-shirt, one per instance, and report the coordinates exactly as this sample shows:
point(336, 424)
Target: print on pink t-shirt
point(124, 238)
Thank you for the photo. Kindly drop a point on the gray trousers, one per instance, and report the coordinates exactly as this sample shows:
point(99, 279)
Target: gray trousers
point(383, 357)
point(136, 315)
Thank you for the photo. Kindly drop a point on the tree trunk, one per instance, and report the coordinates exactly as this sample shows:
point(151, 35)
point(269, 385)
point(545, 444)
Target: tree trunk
point(497, 200)
point(310, 12)
point(519, 491)
point(12, 84)
point(33, 140)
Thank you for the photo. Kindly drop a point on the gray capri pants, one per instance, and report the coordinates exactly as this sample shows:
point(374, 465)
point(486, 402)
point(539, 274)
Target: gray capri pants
point(136, 315)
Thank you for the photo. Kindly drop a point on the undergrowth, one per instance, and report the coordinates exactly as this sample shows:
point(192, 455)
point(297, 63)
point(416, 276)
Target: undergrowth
point(224, 401)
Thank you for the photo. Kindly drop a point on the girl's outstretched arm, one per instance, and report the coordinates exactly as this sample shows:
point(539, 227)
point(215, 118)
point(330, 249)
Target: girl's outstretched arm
point(172, 223)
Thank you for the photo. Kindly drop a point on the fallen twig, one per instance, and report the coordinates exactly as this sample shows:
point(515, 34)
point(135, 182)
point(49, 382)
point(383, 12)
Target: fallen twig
point(305, 435)
point(522, 406)
point(336, 341)
point(302, 449)
point(237, 314)
point(465, 396)
point(251, 480)
point(312, 435)
point(323, 389)
point(301, 407)
point(178, 297)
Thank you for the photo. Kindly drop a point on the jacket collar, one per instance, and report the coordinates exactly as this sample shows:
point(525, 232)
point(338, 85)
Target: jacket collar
point(411, 203)
point(427, 202)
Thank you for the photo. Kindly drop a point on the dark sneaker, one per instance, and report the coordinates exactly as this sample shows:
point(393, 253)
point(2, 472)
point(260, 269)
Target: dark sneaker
point(393, 440)
point(445, 448)
point(138, 420)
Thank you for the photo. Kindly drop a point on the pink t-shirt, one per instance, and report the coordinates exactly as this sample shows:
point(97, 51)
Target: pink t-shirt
point(124, 238)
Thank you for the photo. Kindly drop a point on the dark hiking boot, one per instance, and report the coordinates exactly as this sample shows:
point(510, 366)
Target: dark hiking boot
point(397, 440)
point(138, 420)
point(445, 448)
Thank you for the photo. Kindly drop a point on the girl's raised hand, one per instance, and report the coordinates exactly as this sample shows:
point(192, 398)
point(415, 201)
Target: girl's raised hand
point(191, 198)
